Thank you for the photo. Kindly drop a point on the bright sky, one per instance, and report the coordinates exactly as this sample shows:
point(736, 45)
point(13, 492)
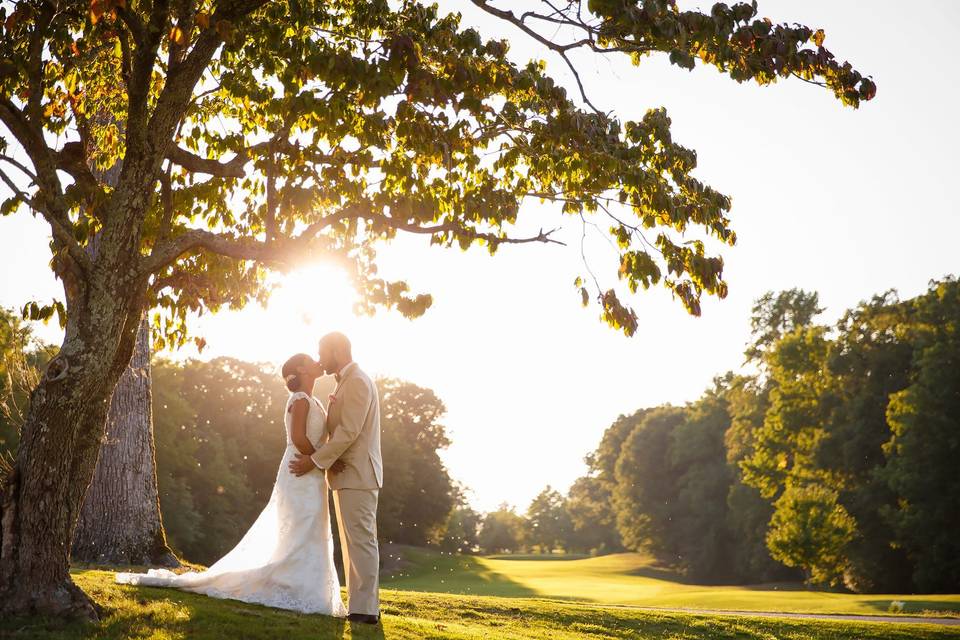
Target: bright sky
point(847, 203)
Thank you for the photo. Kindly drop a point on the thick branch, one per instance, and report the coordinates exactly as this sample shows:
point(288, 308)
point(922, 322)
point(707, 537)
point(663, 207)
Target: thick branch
point(147, 39)
point(35, 49)
point(72, 160)
point(132, 20)
point(233, 168)
point(30, 138)
point(240, 248)
point(181, 81)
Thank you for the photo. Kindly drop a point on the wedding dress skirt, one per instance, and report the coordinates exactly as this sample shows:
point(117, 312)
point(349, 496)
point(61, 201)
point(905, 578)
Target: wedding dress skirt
point(285, 560)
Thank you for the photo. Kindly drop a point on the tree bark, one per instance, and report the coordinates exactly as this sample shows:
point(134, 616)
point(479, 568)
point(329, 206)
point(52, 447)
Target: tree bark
point(41, 497)
point(120, 521)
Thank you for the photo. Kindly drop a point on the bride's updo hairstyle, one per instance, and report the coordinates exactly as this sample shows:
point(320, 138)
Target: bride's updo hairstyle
point(290, 373)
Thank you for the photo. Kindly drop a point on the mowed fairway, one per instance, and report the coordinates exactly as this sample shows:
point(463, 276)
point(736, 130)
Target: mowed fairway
point(631, 579)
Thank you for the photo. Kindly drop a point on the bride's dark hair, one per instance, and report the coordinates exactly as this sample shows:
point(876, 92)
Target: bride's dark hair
point(289, 371)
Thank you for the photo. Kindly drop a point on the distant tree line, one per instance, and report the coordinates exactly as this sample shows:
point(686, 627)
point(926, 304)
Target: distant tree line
point(836, 461)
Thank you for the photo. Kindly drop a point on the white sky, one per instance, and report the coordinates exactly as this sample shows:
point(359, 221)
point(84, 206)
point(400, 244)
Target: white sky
point(847, 203)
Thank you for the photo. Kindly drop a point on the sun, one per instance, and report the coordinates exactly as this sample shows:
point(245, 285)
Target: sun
point(314, 297)
point(305, 304)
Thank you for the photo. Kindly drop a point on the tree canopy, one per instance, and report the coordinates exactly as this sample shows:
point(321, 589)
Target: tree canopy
point(257, 133)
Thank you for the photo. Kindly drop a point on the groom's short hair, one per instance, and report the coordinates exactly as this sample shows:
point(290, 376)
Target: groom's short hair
point(339, 341)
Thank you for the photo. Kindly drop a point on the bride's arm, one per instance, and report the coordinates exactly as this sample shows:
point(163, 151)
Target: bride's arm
point(298, 426)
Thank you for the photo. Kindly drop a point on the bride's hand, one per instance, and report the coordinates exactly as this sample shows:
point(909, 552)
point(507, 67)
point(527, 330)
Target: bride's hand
point(338, 467)
point(301, 465)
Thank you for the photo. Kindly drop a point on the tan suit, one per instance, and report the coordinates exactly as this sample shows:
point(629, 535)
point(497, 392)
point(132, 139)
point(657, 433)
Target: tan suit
point(354, 421)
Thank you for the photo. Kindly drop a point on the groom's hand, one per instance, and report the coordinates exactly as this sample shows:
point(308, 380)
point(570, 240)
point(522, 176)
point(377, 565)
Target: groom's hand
point(301, 465)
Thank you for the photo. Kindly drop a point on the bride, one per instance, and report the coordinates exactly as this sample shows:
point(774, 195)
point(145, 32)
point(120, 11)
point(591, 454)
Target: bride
point(285, 560)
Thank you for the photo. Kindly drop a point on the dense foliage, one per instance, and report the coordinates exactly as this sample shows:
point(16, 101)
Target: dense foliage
point(418, 500)
point(463, 530)
point(339, 124)
point(502, 530)
point(837, 458)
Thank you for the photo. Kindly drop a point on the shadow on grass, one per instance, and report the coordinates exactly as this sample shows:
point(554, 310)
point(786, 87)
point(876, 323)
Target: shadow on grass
point(666, 574)
point(462, 575)
point(789, 586)
point(669, 574)
point(544, 557)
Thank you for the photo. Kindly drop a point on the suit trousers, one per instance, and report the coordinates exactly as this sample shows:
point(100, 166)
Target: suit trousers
point(357, 519)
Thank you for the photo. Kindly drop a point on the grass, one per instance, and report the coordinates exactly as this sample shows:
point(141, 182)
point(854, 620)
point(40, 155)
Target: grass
point(165, 614)
point(632, 579)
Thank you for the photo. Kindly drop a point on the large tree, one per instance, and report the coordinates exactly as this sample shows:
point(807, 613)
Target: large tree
point(924, 445)
point(258, 133)
point(643, 497)
point(502, 531)
point(871, 361)
point(547, 522)
point(593, 524)
point(120, 521)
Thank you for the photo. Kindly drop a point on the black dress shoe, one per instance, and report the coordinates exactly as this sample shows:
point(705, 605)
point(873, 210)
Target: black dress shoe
point(364, 618)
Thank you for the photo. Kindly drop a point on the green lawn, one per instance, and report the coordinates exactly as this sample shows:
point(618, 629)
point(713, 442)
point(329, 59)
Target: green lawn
point(630, 578)
point(161, 614)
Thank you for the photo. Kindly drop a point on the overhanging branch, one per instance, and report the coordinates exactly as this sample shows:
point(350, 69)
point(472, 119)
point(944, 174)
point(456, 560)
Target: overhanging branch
point(268, 251)
point(278, 250)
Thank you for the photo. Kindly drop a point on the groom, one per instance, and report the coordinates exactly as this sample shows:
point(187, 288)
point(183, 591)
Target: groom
point(354, 418)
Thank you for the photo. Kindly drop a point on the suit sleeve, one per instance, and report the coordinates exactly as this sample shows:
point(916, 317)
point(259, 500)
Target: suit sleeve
point(355, 399)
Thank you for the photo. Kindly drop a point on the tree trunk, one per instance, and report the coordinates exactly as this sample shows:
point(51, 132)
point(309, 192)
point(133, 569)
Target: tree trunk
point(41, 497)
point(120, 520)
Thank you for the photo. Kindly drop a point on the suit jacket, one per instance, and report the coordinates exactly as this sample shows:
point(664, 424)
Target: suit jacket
point(354, 419)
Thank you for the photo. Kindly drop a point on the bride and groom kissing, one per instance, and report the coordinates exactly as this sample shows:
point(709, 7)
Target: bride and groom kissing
point(285, 559)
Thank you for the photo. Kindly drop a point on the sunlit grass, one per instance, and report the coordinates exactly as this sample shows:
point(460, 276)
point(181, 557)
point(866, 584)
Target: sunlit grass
point(632, 579)
point(162, 614)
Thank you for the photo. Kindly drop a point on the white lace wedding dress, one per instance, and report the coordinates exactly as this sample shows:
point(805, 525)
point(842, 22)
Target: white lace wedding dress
point(285, 560)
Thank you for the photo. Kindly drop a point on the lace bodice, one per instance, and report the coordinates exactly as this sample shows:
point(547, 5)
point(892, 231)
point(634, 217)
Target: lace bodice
point(316, 418)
